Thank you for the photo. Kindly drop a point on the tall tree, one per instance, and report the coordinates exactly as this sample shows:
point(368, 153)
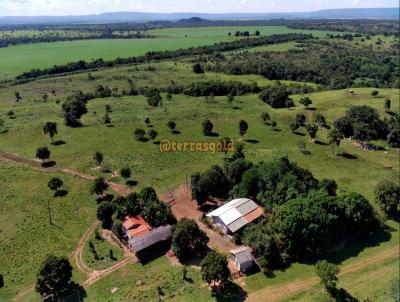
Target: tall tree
point(243, 126)
point(98, 158)
point(188, 240)
point(55, 183)
point(207, 127)
point(50, 129)
point(327, 272)
point(387, 196)
point(53, 278)
point(335, 137)
point(126, 173)
point(214, 268)
point(171, 125)
point(43, 153)
point(99, 186)
point(312, 131)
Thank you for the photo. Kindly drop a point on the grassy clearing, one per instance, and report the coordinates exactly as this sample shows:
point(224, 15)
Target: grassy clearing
point(102, 248)
point(26, 235)
point(157, 273)
point(223, 31)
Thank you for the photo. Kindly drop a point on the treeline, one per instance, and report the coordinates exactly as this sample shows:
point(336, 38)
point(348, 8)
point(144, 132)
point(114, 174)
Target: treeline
point(372, 27)
point(333, 66)
point(9, 40)
point(164, 55)
point(305, 216)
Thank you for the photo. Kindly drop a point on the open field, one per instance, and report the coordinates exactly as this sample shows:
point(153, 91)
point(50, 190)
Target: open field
point(369, 265)
point(15, 60)
point(26, 235)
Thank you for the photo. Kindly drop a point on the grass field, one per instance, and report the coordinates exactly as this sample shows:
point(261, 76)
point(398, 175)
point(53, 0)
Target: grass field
point(26, 235)
point(25, 232)
point(15, 60)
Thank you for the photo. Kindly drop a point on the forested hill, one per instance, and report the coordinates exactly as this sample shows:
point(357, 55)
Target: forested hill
point(114, 17)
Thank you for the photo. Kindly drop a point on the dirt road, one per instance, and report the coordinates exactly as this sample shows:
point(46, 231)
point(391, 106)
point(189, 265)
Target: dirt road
point(184, 207)
point(277, 293)
point(37, 165)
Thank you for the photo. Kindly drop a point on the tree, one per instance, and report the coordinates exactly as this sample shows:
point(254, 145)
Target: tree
point(188, 240)
point(154, 98)
point(98, 158)
point(17, 96)
point(374, 93)
point(257, 33)
point(74, 108)
point(50, 129)
point(169, 97)
point(335, 137)
point(243, 126)
point(1, 281)
point(53, 278)
point(265, 117)
point(11, 114)
point(126, 173)
point(207, 127)
point(99, 186)
point(43, 153)
point(327, 272)
point(305, 101)
point(388, 103)
point(230, 97)
point(171, 125)
point(153, 134)
point(107, 119)
point(157, 213)
point(104, 213)
point(277, 96)
point(117, 228)
point(329, 186)
point(214, 268)
point(108, 108)
point(197, 68)
point(387, 196)
point(320, 120)
point(300, 120)
point(55, 183)
point(312, 131)
point(139, 134)
point(274, 124)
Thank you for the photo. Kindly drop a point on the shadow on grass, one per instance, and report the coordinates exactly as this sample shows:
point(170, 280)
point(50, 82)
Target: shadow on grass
point(251, 141)
point(310, 108)
point(213, 134)
point(60, 193)
point(353, 247)
point(156, 143)
point(131, 183)
point(143, 139)
point(75, 293)
point(321, 143)
point(348, 156)
point(176, 132)
point(49, 164)
point(58, 143)
point(299, 133)
point(306, 152)
point(231, 292)
point(277, 130)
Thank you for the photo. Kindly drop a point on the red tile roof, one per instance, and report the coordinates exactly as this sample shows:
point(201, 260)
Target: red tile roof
point(254, 215)
point(136, 226)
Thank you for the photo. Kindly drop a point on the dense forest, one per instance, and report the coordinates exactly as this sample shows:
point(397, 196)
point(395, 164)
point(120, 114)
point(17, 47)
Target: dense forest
point(329, 64)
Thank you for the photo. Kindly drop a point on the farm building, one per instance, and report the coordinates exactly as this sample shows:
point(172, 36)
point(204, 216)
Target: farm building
point(243, 258)
point(135, 227)
point(151, 243)
point(235, 214)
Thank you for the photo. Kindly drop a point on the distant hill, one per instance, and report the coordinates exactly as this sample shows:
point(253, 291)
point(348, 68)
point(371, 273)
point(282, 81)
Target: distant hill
point(115, 17)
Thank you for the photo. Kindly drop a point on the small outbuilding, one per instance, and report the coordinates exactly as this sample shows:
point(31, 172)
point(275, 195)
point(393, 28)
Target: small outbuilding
point(243, 259)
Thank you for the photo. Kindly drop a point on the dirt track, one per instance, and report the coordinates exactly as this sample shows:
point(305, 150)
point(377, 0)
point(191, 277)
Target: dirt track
point(278, 293)
point(37, 165)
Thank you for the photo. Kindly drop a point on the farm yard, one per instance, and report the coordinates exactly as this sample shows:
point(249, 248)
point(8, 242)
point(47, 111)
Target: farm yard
point(133, 108)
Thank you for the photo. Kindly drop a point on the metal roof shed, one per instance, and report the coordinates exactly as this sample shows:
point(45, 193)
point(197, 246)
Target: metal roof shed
point(141, 243)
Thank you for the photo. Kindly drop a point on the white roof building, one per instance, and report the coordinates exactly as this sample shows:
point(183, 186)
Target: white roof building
point(235, 214)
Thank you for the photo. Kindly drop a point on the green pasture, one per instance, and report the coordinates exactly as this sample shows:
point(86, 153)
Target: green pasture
point(26, 235)
point(15, 60)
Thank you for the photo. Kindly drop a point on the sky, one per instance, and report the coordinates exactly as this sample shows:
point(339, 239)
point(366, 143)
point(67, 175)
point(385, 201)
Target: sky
point(83, 7)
